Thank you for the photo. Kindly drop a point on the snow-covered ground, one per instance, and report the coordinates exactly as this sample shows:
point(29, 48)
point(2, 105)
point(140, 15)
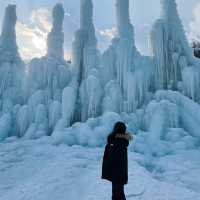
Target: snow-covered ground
point(38, 170)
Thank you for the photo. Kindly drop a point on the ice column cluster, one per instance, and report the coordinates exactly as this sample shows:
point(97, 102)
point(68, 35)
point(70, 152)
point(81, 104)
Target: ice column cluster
point(11, 74)
point(78, 102)
point(51, 73)
point(124, 66)
point(47, 80)
point(175, 66)
point(56, 36)
point(11, 66)
point(8, 34)
point(86, 63)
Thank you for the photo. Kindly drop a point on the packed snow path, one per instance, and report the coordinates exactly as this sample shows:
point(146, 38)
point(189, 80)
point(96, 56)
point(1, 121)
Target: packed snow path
point(37, 170)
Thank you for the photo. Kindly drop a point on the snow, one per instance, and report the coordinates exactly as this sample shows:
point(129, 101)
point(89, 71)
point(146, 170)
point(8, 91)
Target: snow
point(38, 170)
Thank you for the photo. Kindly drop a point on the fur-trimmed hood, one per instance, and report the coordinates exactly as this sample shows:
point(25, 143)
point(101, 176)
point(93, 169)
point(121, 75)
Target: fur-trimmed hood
point(126, 136)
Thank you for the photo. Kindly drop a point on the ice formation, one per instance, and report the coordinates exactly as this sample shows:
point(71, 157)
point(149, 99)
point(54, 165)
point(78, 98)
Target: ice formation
point(173, 58)
point(78, 103)
point(123, 64)
point(56, 36)
point(8, 35)
point(86, 63)
point(51, 73)
point(11, 66)
point(85, 44)
point(46, 80)
point(11, 75)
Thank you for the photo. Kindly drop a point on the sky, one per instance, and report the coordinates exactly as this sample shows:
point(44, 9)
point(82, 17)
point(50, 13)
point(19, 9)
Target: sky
point(34, 22)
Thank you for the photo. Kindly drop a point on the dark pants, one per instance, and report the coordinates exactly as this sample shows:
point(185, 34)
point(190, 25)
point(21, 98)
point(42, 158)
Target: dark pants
point(118, 192)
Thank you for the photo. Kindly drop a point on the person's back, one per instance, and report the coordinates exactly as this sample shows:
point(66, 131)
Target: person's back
point(115, 161)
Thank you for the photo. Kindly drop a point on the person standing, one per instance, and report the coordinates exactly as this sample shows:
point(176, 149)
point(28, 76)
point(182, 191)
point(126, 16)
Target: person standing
point(115, 160)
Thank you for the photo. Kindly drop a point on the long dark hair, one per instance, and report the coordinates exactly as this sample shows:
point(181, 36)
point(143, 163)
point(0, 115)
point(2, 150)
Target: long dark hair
point(119, 127)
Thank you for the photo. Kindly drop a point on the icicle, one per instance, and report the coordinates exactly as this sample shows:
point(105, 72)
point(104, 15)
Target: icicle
point(91, 93)
point(68, 105)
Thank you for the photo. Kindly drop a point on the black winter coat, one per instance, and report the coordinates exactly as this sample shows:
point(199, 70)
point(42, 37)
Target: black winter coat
point(115, 160)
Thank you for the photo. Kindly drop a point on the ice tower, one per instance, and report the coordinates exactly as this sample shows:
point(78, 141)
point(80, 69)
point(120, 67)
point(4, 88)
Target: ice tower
point(86, 62)
point(85, 44)
point(11, 66)
point(124, 26)
point(170, 48)
point(55, 39)
point(8, 44)
point(123, 65)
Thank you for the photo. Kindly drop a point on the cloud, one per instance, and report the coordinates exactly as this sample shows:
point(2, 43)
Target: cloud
point(109, 33)
point(67, 56)
point(41, 18)
point(194, 33)
point(32, 37)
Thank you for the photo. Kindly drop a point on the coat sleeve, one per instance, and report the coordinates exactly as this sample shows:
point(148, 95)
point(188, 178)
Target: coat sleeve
point(110, 139)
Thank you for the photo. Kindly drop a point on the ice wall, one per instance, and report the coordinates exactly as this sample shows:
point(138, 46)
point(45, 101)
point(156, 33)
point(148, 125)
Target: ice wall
point(170, 48)
point(55, 39)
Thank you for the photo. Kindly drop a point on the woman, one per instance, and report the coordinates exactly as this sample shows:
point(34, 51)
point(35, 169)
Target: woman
point(115, 160)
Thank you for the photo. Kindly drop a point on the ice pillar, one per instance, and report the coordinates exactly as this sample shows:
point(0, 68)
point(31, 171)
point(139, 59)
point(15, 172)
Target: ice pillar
point(55, 39)
point(8, 36)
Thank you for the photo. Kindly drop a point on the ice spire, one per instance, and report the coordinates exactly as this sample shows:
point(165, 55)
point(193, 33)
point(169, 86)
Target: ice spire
point(86, 15)
point(125, 62)
point(55, 39)
point(170, 14)
point(85, 43)
point(124, 26)
point(170, 48)
point(8, 36)
point(86, 64)
point(11, 65)
point(124, 65)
